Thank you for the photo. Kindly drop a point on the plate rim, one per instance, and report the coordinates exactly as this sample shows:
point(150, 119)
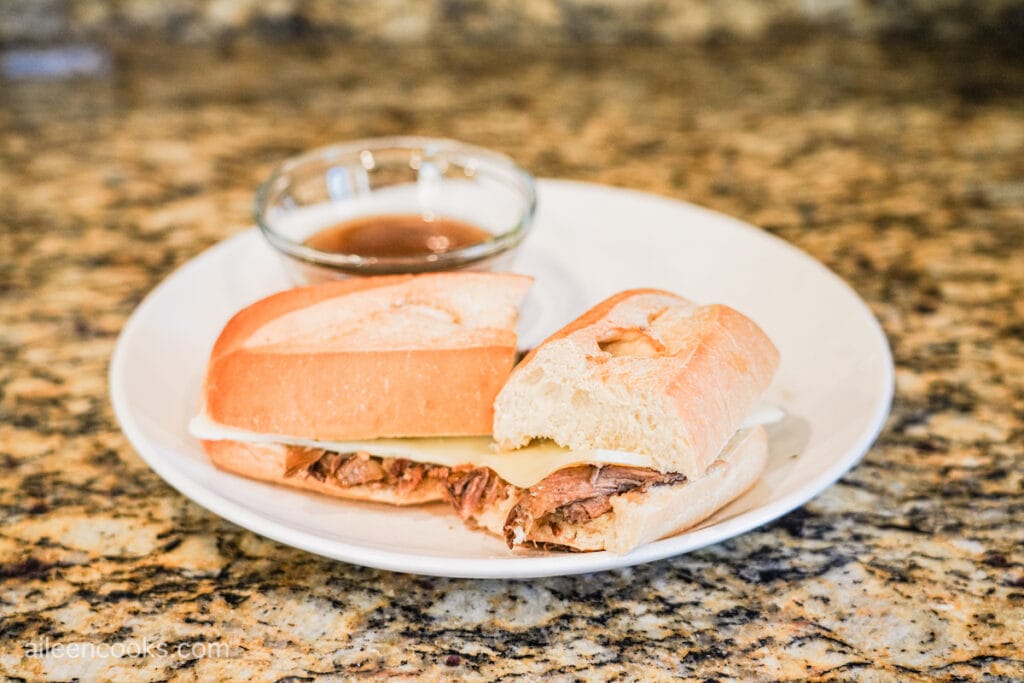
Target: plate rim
point(498, 567)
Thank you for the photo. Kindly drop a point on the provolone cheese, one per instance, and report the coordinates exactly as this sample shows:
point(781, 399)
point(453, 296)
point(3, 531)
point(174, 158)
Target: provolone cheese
point(762, 414)
point(522, 467)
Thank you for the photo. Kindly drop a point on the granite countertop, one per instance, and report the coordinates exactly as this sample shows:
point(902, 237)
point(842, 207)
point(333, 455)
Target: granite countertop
point(902, 170)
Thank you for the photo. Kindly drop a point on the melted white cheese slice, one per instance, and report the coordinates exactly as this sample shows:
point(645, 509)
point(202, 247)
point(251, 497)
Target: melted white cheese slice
point(523, 467)
point(762, 414)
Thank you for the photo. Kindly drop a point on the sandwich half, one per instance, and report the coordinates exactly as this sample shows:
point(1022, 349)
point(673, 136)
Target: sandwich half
point(329, 387)
point(654, 400)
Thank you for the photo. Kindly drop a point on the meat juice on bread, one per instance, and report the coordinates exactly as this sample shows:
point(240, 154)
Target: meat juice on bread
point(635, 421)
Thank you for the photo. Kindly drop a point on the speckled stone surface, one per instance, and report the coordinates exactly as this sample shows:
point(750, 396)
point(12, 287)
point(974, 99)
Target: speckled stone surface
point(523, 22)
point(902, 171)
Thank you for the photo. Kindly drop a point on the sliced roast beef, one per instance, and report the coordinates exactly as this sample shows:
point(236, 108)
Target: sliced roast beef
point(406, 474)
point(577, 494)
point(324, 467)
point(358, 469)
point(466, 489)
point(580, 511)
point(470, 490)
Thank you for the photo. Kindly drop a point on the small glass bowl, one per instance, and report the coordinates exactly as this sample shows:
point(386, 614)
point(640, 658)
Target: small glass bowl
point(431, 177)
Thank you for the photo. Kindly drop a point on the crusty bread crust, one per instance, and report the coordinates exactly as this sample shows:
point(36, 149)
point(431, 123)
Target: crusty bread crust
point(644, 371)
point(640, 517)
point(360, 394)
point(590, 317)
point(244, 323)
point(391, 356)
point(271, 462)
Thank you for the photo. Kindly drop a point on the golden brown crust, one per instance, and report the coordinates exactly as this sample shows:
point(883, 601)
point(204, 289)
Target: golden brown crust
point(590, 317)
point(270, 462)
point(730, 368)
point(251, 318)
point(359, 395)
point(316, 388)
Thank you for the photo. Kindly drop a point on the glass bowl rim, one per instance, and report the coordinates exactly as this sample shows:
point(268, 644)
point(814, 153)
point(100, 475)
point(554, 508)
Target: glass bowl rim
point(455, 258)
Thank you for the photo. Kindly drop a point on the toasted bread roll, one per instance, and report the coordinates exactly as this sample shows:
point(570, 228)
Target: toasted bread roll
point(644, 371)
point(392, 356)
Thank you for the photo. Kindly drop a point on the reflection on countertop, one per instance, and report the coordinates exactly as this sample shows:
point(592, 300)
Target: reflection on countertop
point(900, 170)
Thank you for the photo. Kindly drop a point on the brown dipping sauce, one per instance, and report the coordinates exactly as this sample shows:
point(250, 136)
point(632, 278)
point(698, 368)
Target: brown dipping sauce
point(397, 235)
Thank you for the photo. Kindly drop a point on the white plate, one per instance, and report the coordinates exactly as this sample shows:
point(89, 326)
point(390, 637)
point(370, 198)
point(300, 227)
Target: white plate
point(835, 381)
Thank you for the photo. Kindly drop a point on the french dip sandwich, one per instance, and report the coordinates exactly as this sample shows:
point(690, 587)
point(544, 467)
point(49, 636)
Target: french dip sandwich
point(637, 420)
point(332, 387)
point(659, 400)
